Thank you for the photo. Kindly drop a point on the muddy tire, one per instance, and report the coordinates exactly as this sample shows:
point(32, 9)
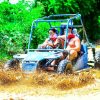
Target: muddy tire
point(97, 60)
point(12, 64)
point(64, 66)
point(69, 68)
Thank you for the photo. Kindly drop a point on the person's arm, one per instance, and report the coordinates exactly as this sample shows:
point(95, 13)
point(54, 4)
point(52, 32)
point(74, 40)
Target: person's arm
point(58, 39)
point(77, 45)
point(45, 43)
point(50, 44)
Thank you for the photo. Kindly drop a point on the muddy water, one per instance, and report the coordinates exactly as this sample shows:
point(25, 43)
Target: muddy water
point(15, 85)
point(44, 85)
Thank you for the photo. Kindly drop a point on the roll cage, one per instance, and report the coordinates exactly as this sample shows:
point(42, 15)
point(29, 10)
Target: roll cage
point(67, 18)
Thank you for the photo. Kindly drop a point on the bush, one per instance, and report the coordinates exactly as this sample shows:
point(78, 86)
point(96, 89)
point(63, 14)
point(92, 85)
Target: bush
point(15, 24)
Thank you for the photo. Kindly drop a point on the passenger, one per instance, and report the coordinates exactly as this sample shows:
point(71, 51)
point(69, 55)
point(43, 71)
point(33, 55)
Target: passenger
point(49, 42)
point(73, 47)
point(61, 39)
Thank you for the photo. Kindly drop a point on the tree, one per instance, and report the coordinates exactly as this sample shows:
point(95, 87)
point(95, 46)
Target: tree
point(15, 24)
point(89, 9)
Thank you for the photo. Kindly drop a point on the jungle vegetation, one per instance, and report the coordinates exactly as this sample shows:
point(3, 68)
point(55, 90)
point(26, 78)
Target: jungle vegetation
point(16, 20)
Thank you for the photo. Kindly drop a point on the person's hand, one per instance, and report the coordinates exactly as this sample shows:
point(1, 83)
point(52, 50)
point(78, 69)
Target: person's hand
point(43, 45)
point(50, 44)
point(68, 49)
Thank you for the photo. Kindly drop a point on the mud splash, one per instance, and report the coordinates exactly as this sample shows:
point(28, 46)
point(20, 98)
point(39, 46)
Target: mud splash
point(45, 79)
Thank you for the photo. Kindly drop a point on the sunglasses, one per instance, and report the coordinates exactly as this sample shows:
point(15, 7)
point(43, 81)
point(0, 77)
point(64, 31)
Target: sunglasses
point(70, 27)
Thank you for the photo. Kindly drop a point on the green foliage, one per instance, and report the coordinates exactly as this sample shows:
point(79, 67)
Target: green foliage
point(89, 9)
point(99, 20)
point(15, 24)
point(39, 34)
point(16, 20)
point(67, 6)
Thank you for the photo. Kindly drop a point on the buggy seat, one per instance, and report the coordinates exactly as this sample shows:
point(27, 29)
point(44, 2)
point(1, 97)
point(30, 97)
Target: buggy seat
point(82, 60)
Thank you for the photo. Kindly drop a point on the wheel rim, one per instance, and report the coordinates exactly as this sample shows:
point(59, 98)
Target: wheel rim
point(69, 68)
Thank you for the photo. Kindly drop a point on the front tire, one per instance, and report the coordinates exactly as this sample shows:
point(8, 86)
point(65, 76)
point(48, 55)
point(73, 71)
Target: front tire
point(97, 60)
point(64, 66)
point(69, 68)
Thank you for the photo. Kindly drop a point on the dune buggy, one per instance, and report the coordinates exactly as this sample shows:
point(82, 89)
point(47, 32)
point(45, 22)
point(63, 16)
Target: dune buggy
point(36, 59)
